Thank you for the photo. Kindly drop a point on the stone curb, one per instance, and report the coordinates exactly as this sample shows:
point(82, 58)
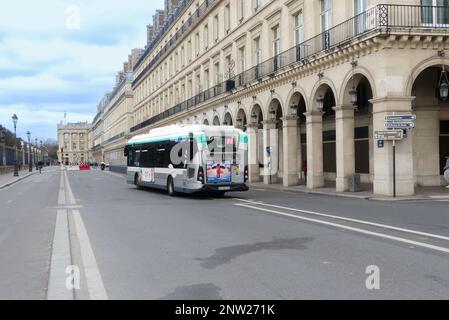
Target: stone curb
point(17, 180)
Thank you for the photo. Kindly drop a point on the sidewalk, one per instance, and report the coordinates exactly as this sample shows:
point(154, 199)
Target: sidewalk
point(8, 179)
point(422, 193)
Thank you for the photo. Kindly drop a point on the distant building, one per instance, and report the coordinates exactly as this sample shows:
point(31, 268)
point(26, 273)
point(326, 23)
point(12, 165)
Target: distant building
point(73, 142)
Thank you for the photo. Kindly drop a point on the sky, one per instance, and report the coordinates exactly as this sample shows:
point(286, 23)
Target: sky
point(61, 56)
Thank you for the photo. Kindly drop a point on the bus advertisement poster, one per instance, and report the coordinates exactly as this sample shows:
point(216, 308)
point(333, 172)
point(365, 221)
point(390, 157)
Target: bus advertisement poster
point(218, 171)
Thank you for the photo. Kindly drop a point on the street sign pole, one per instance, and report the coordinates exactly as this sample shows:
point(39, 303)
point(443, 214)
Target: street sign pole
point(394, 168)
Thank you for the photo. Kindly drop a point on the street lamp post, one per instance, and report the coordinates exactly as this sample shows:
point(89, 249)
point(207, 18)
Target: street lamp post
point(16, 164)
point(30, 165)
point(35, 152)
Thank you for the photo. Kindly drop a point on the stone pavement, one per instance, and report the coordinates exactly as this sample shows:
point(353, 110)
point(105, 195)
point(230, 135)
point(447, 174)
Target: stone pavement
point(422, 193)
point(8, 179)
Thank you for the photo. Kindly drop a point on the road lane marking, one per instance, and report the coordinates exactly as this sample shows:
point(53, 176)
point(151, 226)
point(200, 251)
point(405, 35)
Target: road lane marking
point(94, 281)
point(384, 226)
point(60, 260)
point(371, 233)
point(61, 254)
point(71, 198)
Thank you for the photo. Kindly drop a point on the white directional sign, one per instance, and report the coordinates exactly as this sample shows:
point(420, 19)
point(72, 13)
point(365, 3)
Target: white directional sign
point(404, 117)
point(399, 125)
point(389, 135)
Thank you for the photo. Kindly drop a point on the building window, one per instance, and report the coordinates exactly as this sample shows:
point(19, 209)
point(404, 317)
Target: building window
point(242, 59)
point(217, 73)
point(256, 5)
point(206, 37)
point(241, 10)
point(276, 47)
point(299, 28)
point(227, 18)
point(197, 43)
point(258, 51)
point(206, 79)
point(435, 12)
point(326, 14)
point(216, 28)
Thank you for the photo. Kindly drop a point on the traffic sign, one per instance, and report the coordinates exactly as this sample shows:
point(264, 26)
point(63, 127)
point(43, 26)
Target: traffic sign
point(404, 117)
point(389, 135)
point(399, 125)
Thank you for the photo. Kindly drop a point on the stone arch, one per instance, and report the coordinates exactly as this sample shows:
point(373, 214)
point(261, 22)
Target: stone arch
point(357, 73)
point(319, 89)
point(273, 97)
point(216, 121)
point(293, 92)
point(227, 118)
point(242, 114)
point(257, 102)
point(419, 68)
point(432, 122)
point(258, 110)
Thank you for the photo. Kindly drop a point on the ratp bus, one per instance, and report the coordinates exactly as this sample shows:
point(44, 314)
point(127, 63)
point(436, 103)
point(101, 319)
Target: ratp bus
point(189, 159)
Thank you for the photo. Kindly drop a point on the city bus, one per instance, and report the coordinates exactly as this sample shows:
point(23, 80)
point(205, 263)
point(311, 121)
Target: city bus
point(189, 159)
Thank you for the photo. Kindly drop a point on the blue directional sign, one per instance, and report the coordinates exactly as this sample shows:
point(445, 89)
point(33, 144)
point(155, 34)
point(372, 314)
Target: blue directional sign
point(404, 117)
point(399, 125)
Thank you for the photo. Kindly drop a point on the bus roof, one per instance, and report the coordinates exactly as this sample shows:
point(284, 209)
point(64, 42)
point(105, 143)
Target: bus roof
point(179, 130)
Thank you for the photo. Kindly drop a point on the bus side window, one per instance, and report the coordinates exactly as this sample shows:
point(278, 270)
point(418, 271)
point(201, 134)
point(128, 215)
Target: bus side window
point(130, 157)
point(136, 157)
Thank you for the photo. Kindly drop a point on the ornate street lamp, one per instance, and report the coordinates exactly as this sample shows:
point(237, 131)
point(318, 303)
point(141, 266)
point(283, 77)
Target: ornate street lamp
point(443, 85)
point(239, 122)
point(294, 109)
point(320, 103)
point(353, 95)
point(253, 118)
point(30, 165)
point(16, 164)
point(272, 114)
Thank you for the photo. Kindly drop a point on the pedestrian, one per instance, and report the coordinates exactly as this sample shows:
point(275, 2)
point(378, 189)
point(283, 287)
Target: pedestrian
point(446, 171)
point(304, 168)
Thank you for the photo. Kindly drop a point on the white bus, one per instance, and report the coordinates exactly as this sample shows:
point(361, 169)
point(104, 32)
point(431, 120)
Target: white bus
point(189, 159)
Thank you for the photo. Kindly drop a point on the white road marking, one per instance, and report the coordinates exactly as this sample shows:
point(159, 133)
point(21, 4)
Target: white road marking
point(61, 255)
point(376, 234)
point(94, 281)
point(60, 260)
point(384, 226)
point(93, 277)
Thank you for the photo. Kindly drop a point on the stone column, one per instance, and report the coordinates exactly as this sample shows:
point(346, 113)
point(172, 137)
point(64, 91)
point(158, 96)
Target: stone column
point(345, 146)
point(269, 139)
point(253, 159)
point(426, 137)
point(383, 157)
point(315, 175)
point(290, 133)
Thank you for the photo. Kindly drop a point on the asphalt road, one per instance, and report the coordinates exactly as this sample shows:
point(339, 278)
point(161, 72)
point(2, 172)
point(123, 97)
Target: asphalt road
point(262, 244)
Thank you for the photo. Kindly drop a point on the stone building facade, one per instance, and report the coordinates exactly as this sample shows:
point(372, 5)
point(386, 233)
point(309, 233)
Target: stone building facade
point(73, 143)
point(312, 79)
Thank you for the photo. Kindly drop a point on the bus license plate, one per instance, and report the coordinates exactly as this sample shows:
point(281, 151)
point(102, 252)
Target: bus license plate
point(224, 188)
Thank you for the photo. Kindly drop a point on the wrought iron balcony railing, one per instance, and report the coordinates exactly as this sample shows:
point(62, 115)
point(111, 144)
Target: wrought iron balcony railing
point(381, 18)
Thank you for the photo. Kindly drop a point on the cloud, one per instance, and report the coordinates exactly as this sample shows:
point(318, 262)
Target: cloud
point(47, 68)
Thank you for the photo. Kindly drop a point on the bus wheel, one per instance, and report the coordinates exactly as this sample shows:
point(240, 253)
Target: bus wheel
point(170, 187)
